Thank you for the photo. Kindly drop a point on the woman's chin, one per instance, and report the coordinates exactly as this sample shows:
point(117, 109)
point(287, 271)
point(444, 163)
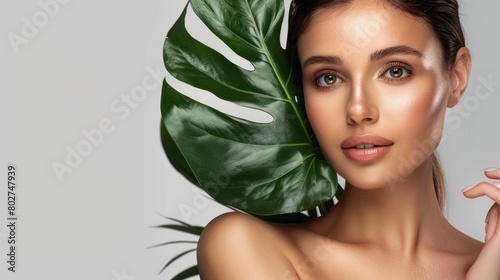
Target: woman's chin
point(380, 181)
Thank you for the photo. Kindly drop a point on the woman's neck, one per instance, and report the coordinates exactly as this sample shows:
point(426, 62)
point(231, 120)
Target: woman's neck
point(399, 217)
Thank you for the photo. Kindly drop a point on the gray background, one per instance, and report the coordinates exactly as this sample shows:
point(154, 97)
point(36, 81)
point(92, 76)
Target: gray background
point(96, 222)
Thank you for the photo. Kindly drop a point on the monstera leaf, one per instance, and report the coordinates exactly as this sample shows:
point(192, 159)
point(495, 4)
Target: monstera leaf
point(260, 168)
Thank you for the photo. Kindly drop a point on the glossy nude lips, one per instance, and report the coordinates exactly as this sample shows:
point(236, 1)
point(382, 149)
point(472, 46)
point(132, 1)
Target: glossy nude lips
point(365, 148)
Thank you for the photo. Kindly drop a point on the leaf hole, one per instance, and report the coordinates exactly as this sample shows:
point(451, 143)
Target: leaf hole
point(284, 24)
point(226, 107)
point(196, 28)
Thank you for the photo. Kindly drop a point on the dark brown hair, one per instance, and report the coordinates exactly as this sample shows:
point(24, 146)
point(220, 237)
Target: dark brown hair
point(442, 16)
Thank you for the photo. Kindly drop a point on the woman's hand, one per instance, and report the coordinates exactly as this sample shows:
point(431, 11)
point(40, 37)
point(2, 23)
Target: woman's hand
point(487, 265)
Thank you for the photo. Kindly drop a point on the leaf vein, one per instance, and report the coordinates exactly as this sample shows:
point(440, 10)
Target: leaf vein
point(273, 65)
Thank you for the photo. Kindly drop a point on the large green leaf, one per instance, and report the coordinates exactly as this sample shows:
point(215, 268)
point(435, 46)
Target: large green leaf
point(261, 168)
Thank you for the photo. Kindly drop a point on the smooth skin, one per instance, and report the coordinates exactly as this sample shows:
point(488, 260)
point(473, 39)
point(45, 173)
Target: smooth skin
point(486, 266)
point(386, 78)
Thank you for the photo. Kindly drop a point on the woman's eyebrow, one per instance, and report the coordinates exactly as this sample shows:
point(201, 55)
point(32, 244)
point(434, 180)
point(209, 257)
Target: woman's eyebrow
point(373, 57)
point(394, 50)
point(322, 59)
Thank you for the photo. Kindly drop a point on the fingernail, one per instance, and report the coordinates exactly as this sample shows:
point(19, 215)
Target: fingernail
point(490, 169)
point(467, 188)
point(496, 184)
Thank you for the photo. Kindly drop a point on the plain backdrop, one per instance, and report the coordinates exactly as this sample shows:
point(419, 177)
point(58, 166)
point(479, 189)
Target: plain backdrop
point(75, 71)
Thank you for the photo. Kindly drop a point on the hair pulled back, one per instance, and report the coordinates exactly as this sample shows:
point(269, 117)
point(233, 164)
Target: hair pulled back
point(442, 16)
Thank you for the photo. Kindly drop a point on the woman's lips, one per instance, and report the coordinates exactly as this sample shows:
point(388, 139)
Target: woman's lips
point(365, 148)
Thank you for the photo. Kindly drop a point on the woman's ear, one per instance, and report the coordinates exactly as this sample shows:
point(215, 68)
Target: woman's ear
point(459, 76)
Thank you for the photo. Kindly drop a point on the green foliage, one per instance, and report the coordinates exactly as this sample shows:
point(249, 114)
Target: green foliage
point(186, 228)
point(183, 227)
point(191, 271)
point(269, 168)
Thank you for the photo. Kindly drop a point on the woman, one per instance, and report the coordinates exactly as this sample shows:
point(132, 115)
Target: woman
point(377, 77)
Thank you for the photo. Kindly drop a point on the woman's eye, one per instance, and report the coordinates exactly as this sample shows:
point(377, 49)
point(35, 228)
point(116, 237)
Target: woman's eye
point(397, 73)
point(327, 80)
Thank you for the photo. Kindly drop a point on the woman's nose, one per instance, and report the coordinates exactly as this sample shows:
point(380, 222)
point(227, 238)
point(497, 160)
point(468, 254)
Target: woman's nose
point(361, 108)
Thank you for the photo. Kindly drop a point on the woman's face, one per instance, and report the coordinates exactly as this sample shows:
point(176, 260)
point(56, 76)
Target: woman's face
point(375, 90)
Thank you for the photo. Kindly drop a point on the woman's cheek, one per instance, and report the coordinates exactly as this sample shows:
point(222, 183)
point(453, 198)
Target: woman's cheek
point(429, 107)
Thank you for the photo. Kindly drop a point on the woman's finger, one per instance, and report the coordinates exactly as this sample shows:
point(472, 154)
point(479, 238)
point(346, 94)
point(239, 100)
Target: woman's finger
point(492, 173)
point(484, 188)
point(492, 224)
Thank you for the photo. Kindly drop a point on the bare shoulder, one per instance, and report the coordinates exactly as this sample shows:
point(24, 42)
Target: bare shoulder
point(469, 246)
point(459, 248)
point(239, 246)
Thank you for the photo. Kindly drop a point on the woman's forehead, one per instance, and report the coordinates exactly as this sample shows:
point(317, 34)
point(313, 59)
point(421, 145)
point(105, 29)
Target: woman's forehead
point(363, 25)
